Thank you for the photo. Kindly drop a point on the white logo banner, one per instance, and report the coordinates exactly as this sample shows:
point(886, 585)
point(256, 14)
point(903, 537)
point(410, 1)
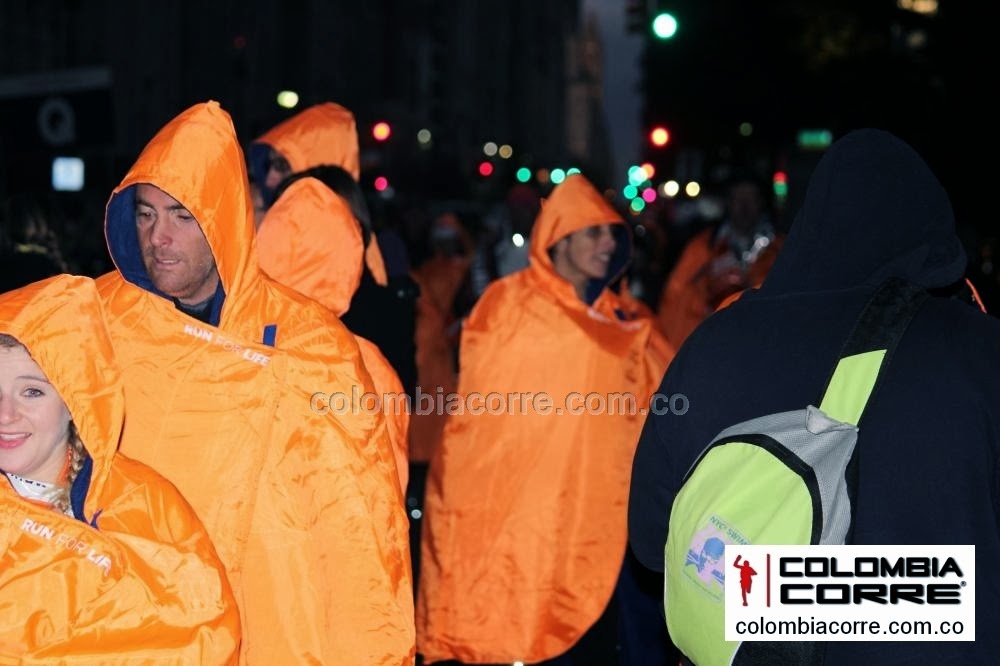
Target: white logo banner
point(850, 593)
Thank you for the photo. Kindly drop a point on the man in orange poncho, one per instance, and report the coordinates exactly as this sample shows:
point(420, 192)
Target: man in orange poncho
point(525, 534)
point(719, 261)
point(316, 236)
point(126, 572)
point(220, 366)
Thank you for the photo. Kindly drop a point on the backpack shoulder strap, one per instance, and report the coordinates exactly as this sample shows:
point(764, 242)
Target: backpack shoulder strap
point(869, 348)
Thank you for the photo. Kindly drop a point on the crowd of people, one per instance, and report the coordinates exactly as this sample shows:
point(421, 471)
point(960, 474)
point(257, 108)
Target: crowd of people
point(173, 494)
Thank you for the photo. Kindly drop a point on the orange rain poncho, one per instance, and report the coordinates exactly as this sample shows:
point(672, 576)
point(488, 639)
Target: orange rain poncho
point(310, 241)
point(525, 532)
point(323, 134)
point(687, 299)
point(439, 277)
point(303, 505)
point(134, 578)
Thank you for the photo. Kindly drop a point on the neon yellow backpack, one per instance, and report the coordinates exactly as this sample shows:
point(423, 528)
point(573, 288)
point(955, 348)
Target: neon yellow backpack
point(779, 479)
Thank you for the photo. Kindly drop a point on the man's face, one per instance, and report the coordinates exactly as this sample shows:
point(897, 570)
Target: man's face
point(175, 251)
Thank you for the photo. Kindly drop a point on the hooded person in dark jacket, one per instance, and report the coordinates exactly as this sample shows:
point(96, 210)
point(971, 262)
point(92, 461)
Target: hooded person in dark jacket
point(928, 443)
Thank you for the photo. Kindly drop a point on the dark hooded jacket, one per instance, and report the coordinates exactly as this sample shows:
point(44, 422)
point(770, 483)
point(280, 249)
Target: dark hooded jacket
point(928, 442)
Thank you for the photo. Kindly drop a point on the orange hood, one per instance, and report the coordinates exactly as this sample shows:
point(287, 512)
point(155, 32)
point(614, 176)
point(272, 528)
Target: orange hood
point(575, 204)
point(151, 586)
point(197, 160)
point(322, 134)
point(310, 241)
point(61, 323)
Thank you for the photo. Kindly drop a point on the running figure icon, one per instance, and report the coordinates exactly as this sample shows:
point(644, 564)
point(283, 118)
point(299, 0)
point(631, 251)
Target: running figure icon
point(746, 576)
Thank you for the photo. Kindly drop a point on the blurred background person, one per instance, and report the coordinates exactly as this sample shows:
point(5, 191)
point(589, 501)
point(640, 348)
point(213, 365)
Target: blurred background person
point(444, 282)
point(725, 258)
point(316, 237)
point(29, 246)
point(325, 135)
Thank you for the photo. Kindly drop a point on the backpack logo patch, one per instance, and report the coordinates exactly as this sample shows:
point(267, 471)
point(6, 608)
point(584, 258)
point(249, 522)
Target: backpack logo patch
point(705, 563)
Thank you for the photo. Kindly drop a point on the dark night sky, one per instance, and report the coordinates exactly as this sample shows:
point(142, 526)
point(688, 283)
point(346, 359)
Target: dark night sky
point(790, 64)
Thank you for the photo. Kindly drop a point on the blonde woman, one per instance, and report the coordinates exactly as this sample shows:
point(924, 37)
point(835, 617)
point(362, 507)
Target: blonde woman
point(101, 559)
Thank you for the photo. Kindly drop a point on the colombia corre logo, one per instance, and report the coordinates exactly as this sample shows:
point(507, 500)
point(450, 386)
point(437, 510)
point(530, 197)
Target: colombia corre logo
point(850, 592)
point(917, 580)
point(796, 580)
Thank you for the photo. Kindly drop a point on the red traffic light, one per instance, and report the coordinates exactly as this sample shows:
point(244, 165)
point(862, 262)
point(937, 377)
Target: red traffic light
point(659, 136)
point(485, 168)
point(381, 131)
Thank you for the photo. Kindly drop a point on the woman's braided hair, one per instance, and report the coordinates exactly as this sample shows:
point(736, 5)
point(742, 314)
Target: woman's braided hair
point(77, 452)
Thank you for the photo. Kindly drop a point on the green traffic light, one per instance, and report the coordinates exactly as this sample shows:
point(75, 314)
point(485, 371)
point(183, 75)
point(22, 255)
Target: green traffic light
point(665, 25)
